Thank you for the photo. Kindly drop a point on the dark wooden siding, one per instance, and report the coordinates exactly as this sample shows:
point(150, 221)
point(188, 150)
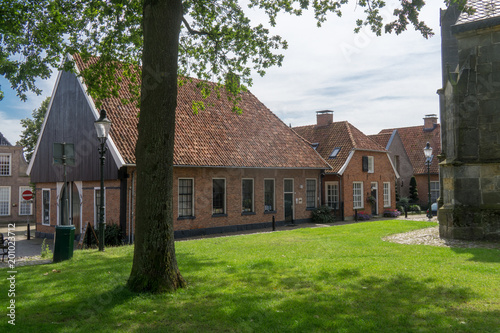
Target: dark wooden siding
point(71, 120)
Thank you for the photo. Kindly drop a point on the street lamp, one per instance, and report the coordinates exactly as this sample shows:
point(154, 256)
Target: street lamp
point(102, 126)
point(428, 161)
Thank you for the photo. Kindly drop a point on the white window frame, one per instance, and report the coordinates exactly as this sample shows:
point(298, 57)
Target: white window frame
point(274, 195)
point(179, 196)
point(387, 194)
point(359, 195)
point(225, 197)
point(253, 195)
point(9, 198)
point(42, 213)
point(22, 202)
point(434, 190)
point(9, 155)
point(335, 195)
point(371, 164)
point(96, 211)
point(315, 193)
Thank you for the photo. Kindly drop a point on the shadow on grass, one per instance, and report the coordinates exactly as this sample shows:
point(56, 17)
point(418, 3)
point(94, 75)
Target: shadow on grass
point(479, 254)
point(267, 299)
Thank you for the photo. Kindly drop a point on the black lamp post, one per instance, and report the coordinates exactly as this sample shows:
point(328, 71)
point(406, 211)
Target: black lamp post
point(428, 161)
point(102, 126)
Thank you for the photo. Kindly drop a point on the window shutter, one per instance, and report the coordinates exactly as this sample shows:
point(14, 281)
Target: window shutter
point(365, 163)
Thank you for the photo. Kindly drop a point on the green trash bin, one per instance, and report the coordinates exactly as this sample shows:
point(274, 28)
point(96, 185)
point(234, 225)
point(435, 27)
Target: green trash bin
point(64, 242)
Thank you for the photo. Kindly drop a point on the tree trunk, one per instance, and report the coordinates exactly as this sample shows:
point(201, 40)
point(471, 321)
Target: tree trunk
point(155, 266)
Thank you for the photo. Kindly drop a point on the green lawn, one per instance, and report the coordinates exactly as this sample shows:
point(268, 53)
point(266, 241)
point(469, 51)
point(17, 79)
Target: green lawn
point(336, 279)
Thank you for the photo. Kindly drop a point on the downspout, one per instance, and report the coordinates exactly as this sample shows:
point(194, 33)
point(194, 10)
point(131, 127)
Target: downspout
point(131, 209)
point(341, 198)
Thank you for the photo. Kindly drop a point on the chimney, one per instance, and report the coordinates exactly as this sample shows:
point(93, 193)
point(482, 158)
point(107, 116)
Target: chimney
point(324, 118)
point(430, 122)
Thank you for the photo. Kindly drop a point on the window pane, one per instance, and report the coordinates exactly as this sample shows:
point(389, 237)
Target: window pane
point(288, 185)
point(247, 195)
point(311, 193)
point(185, 197)
point(332, 195)
point(358, 195)
point(4, 201)
point(218, 196)
point(269, 195)
point(4, 165)
point(387, 194)
point(434, 191)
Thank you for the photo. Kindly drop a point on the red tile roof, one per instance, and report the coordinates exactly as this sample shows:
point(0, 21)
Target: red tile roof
point(414, 140)
point(381, 139)
point(341, 135)
point(216, 136)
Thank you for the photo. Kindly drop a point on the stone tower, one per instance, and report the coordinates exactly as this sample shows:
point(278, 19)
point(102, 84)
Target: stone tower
point(470, 113)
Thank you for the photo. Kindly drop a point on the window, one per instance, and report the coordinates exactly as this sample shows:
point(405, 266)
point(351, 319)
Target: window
point(368, 164)
point(247, 195)
point(357, 195)
point(186, 190)
point(219, 196)
point(332, 194)
point(387, 194)
point(315, 145)
point(46, 206)
point(5, 164)
point(311, 193)
point(97, 205)
point(25, 206)
point(269, 195)
point(334, 153)
point(434, 191)
point(4, 200)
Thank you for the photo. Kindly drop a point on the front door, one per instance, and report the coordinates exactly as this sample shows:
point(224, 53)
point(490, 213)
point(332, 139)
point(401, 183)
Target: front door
point(374, 202)
point(288, 199)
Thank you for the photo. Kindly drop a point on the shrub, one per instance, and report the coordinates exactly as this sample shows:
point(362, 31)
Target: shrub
point(323, 214)
point(414, 208)
point(392, 213)
point(113, 235)
point(363, 216)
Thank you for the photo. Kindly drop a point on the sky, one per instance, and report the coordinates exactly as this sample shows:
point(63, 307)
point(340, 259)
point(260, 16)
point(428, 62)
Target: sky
point(373, 82)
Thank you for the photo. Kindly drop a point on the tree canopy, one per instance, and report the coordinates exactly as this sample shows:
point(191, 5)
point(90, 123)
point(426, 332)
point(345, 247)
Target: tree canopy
point(32, 127)
point(210, 39)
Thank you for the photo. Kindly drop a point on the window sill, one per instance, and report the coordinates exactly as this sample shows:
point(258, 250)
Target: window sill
point(186, 218)
point(311, 208)
point(270, 212)
point(247, 213)
point(219, 215)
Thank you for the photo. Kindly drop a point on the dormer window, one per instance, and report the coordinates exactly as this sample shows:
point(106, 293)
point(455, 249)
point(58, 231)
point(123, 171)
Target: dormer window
point(334, 153)
point(315, 145)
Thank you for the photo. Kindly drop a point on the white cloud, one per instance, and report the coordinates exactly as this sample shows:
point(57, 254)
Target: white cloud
point(373, 82)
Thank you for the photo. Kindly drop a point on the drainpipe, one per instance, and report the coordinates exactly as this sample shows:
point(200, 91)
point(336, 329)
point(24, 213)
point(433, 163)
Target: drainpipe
point(131, 210)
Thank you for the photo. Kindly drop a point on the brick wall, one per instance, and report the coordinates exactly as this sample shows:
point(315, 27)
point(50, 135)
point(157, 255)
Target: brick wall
point(112, 204)
point(16, 179)
point(203, 195)
point(383, 172)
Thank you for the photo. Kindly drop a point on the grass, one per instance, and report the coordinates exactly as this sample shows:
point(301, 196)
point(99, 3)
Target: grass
point(337, 279)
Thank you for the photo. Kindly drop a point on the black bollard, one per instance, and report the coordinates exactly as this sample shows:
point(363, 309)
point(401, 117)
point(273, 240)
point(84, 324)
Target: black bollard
point(29, 232)
point(406, 212)
point(274, 224)
point(356, 215)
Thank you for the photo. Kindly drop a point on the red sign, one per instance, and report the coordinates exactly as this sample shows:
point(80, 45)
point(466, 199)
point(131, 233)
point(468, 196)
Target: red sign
point(27, 195)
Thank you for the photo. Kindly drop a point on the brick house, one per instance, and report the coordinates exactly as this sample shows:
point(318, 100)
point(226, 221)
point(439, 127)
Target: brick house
point(362, 177)
point(231, 171)
point(13, 182)
point(406, 148)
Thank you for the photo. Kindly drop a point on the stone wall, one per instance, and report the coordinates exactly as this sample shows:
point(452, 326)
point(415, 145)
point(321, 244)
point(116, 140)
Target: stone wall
point(471, 138)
